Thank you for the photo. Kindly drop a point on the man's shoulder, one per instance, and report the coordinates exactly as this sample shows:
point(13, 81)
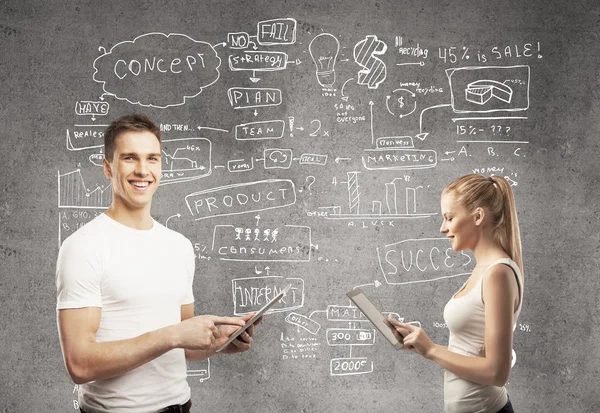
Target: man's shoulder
point(87, 239)
point(94, 229)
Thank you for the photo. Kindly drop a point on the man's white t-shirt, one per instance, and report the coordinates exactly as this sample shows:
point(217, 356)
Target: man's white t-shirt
point(140, 279)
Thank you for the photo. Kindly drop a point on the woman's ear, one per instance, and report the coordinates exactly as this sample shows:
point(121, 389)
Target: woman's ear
point(479, 214)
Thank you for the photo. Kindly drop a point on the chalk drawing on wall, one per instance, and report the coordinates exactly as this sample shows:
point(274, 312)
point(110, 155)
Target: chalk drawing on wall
point(303, 322)
point(482, 91)
point(290, 243)
point(240, 165)
point(247, 57)
point(73, 192)
point(366, 53)
point(185, 160)
point(487, 89)
point(253, 97)
point(357, 332)
point(260, 130)
point(250, 294)
point(83, 137)
point(91, 108)
point(401, 103)
point(78, 204)
point(275, 158)
point(241, 198)
point(200, 370)
point(324, 49)
point(412, 261)
point(157, 70)
point(399, 202)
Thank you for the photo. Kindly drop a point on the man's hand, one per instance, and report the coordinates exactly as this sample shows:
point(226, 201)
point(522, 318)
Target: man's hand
point(202, 332)
point(243, 342)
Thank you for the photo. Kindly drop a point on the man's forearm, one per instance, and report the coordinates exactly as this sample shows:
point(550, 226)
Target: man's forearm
point(102, 360)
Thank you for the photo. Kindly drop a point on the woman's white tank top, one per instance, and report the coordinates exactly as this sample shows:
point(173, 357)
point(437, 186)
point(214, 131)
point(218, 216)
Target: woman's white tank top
point(465, 318)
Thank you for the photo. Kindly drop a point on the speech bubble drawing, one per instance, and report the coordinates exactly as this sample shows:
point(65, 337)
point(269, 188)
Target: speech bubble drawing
point(157, 70)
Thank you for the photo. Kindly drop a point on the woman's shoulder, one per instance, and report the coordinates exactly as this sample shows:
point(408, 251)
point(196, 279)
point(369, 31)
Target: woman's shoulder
point(501, 274)
point(500, 267)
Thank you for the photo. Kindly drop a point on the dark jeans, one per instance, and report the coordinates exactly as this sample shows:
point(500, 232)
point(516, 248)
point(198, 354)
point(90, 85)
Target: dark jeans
point(507, 408)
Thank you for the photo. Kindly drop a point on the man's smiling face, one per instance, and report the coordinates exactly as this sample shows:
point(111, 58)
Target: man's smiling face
point(135, 169)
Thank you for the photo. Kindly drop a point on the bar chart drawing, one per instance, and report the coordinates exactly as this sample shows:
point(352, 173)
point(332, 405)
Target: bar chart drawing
point(400, 202)
point(72, 192)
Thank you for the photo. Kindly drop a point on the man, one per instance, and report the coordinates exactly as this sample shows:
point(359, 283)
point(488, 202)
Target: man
point(124, 292)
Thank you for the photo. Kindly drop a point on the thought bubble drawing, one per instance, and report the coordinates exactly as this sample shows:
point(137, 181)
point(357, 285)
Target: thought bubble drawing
point(157, 70)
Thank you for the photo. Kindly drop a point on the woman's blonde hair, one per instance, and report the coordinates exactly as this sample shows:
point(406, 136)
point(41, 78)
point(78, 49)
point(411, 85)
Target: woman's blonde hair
point(474, 191)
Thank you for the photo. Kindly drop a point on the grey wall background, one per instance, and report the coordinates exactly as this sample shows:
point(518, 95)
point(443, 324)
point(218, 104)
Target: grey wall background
point(49, 50)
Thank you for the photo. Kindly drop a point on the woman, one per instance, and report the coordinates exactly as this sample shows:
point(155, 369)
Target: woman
point(479, 214)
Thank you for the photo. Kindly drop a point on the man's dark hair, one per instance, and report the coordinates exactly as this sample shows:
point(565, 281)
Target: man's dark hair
point(136, 122)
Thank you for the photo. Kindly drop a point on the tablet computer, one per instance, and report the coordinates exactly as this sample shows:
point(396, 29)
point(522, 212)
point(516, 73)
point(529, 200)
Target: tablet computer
point(375, 317)
point(255, 317)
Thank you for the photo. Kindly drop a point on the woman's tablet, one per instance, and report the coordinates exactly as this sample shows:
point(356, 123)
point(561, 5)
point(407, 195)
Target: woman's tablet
point(255, 317)
point(374, 316)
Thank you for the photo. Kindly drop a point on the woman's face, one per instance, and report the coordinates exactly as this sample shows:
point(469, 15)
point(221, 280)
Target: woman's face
point(459, 223)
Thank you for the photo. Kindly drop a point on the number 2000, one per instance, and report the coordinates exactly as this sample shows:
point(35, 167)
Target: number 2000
point(353, 365)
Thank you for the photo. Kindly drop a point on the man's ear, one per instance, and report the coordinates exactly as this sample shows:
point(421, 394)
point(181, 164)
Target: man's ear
point(479, 214)
point(106, 167)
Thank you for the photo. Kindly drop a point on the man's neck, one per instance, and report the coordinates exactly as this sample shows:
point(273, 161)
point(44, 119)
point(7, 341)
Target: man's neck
point(133, 218)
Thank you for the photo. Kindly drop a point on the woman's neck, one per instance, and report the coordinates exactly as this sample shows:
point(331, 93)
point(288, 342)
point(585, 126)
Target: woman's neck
point(487, 251)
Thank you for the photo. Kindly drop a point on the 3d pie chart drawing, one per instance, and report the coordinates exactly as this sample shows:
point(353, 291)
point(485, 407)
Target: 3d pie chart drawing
point(482, 91)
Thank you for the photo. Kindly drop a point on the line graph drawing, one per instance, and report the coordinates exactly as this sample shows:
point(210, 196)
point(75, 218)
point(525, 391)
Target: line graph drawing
point(73, 193)
point(78, 204)
point(179, 162)
point(185, 160)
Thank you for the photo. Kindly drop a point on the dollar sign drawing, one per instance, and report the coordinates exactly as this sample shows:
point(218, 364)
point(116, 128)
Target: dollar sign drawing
point(374, 70)
point(401, 101)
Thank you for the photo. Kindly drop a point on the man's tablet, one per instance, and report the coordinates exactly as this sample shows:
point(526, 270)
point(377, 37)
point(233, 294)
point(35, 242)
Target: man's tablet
point(255, 317)
point(374, 316)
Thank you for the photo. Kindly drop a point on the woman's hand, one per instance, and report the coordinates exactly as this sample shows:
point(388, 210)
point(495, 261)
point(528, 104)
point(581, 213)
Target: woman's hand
point(415, 339)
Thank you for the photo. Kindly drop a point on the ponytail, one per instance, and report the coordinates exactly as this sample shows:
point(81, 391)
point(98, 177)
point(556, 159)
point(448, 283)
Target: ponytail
point(507, 228)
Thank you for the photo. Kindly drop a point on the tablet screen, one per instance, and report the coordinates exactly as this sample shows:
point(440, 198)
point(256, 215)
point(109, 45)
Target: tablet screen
point(374, 316)
point(255, 317)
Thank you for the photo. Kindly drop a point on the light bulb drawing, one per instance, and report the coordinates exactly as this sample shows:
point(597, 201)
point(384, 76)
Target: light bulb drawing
point(324, 50)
